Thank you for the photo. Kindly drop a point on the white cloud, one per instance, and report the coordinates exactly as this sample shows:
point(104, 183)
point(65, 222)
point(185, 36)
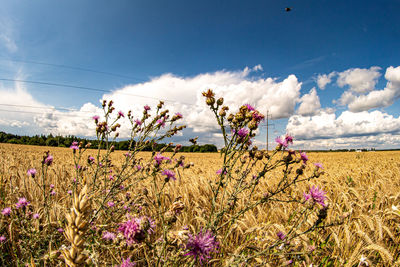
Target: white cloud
point(309, 104)
point(236, 87)
point(348, 126)
point(323, 79)
point(359, 80)
point(375, 98)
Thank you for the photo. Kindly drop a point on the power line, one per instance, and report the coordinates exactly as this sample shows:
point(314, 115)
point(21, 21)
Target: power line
point(39, 107)
point(88, 89)
point(73, 68)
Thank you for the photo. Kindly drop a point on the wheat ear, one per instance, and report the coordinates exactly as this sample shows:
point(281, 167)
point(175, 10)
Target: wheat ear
point(76, 227)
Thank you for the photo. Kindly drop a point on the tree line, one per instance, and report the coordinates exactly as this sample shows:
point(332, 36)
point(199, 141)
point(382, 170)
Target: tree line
point(66, 141)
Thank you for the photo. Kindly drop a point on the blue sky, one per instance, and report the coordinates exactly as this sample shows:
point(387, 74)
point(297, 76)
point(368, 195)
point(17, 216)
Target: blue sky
point(172, 49)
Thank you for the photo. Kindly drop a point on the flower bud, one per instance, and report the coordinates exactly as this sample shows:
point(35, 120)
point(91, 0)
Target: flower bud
point(230, 117)
point(210, 101)
point(220, 101)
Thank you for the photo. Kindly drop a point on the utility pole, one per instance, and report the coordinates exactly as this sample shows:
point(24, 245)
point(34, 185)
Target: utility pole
point(267, 125)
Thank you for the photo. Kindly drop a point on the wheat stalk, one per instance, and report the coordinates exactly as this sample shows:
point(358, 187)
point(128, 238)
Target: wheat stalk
point(76, 228)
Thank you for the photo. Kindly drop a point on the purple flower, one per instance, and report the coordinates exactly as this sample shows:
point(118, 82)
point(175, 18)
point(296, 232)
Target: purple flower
point(49, 160)
point(111, 204)
point(249, 107)
point(96, 118)
point(60, 230)
point(170, 174)
point(147, 108)
point(135, 229)
point(201, 245)
point(289, 139)
point(127, 263)
point(121, 114)
point(159, 158)
point(52, 192)
point(258, 116)
point(243, 132)
point(179, 115)
point(161, 123)
point(36, 216)
point(138, 122)
point(220, 171)
point(316, 195)
point(281, 142)
point(108, 236)
point(318, 166)
point(74, 146)
point(90, 159)
point(281, 235)
point(138, 167)
point(303, 157)
point(69, 192)
point(3, 239)
point(52, 186)
point(32, 172)
point(6, 211)
point(22, 202)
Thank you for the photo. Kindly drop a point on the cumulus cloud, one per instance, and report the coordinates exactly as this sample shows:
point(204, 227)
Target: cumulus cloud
point(324, 79)
point(359, 80)
point(237, 88)
point(348, 126)
point(309, 104)
point(375, 98)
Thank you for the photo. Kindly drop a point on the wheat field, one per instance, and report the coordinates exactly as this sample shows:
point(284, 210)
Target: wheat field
point(363, 191)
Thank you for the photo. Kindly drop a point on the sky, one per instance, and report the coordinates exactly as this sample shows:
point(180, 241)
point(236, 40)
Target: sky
point(327, 72)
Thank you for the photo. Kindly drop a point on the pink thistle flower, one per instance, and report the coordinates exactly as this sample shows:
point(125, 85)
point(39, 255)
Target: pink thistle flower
point(52, 186)
point(74, 146)
point(90, 160)
point(111, 177)
point(249, 107)
point(147, 108)
point(127, 263)
point(303, 157)
point(170, 174)
point(138, 122)
point(35, 216)
point(318, 166)
point(3, 239)
point(60, 230)
point(111, 204)
point(220, 171)
point(281, 235)
point(69, 192)
point(281, 142)
point(96, 118)
point(6, 211)
point(258, 116)
point(161, 123)
point(121, 114)
point(32, 172)
point(131, 231)
point(179, 115)
point(22, 202)
point(52, 192)
point(49, 160)
point(289, 139)
point(316, 195)
point(160, 158)
point(108, 236)
point(201, 246)
point(138, 167)
point(243, 132)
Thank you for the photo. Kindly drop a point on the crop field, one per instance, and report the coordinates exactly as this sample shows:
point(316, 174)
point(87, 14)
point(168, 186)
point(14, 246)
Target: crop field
point(361, 227)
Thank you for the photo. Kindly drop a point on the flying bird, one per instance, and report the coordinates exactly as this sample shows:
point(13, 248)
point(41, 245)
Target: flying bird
point(287, 9)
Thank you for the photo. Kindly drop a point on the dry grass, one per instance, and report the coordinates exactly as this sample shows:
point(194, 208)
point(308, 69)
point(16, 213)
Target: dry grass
point(361, 188)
